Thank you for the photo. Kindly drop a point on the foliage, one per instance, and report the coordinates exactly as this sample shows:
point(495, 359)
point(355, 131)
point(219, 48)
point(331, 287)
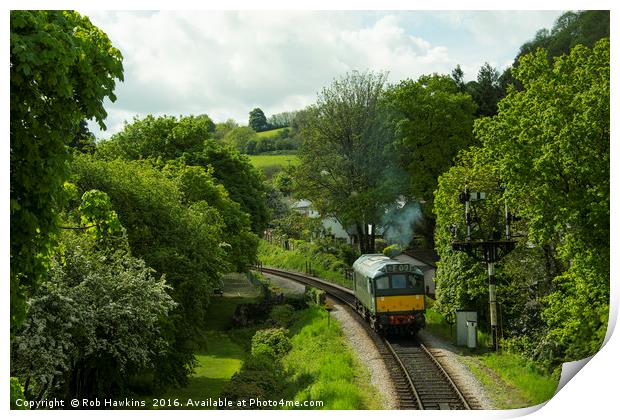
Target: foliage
point(274, 338)
point(283, 181)
point(276, 203)
point(282, 315)
point(165, 137)
point(96, 211)
point(344, 166)
point(315, 296)
point(221, 129)
point(92, 326)
point(283, 119)
point(243, 139)
point(433, 121)
point(549, 144)
point(62, 69)
point(258, 121)
point(84, 140)
point(323, 264)
point(486, 91)
point(179, 239)
point(392, 250)
point(569, 30)
point(242, 181)
point(322, 366)
point(262, 375)
point(17, 393)
point(198, 185)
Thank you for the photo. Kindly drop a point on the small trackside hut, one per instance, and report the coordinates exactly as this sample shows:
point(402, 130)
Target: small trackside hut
point(389, 294)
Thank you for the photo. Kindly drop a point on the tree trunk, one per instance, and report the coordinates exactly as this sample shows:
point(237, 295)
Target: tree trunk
point(373, 227)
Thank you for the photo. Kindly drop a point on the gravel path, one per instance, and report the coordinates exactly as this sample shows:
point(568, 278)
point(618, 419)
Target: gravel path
point(448, 355)
point(368, 354)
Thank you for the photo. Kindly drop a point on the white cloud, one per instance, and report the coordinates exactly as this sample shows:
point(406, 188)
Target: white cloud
point(226, 63)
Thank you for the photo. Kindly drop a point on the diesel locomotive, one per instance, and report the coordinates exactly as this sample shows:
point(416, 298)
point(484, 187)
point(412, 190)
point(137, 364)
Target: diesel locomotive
point(389, 294)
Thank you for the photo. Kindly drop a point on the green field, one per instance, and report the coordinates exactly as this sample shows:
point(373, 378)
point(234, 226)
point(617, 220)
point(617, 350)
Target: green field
point(272, 164)
point(271, 133)
point(261, 161)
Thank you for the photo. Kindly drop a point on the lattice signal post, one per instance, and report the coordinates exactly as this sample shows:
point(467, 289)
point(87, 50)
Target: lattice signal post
point(490, 249)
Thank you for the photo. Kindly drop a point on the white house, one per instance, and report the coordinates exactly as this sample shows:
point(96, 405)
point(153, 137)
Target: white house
point(425, 260)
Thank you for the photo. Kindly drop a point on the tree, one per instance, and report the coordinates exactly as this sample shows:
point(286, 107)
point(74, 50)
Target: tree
point(550, 145)
point(458, 77)
point(93, 326)
point(344, 165)
point(433, 121)
point(166, 137)
point(487, 90)
point(243, 139)
point(283, 119)
point(570, 29)
point(244, 183)
point(258, 121)
point(62, 69)
point(196, 185)
point(221, 129)
point(84, 140)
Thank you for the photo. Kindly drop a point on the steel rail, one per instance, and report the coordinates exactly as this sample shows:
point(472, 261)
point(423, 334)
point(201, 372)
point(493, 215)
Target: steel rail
point(346, 296)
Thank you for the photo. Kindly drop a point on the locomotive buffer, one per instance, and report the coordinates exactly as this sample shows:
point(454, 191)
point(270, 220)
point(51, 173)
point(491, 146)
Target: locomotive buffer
point(489, 250)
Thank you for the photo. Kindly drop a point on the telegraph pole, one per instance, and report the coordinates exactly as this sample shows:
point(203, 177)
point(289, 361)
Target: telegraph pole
point(489, 249)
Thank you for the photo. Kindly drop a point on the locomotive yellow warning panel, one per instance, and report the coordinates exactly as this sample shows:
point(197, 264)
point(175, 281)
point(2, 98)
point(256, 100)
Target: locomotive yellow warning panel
point(400, 303)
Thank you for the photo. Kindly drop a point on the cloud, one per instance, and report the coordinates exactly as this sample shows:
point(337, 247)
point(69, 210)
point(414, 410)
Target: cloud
point(225, 63)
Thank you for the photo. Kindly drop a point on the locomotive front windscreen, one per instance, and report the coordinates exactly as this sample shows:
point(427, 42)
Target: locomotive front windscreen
point(399, 283)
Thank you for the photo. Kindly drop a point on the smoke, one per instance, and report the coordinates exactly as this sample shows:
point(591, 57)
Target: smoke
point(398, 222)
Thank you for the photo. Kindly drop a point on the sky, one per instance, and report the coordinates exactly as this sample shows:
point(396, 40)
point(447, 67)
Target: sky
point(226, 63)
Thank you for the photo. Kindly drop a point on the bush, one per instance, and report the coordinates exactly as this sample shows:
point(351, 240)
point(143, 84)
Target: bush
point(17, 392)
point(275, 338)
point(262, 375)
point(282, 315)
point(315, 296)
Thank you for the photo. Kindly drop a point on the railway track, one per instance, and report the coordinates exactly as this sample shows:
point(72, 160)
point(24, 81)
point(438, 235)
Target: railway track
point(421, 383)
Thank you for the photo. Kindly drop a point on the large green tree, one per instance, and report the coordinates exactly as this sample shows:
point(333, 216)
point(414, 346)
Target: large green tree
point(62, 68)
point(433, 120)
point(168, 138)
point(258, 121)
point(94, 326)
point(345, 168)
point(570, 29)
point(550, 144)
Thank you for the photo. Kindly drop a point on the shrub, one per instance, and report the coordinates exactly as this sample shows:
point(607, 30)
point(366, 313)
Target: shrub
point(315, 296)
point(275, 338)
point(17, 392)
point(282, 315)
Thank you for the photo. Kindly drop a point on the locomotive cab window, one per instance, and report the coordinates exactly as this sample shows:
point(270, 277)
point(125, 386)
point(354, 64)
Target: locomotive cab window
point(416, 281)
point(382, 283)
point(399, 281)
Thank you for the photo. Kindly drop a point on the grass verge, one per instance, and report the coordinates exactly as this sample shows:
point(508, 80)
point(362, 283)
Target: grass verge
point(219, 357)
point(322, 367)
point(325, 266)
point(511, 380)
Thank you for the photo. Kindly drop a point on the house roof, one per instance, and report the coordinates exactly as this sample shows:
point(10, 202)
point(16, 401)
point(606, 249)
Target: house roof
point(300, 204)
point(427, 256)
